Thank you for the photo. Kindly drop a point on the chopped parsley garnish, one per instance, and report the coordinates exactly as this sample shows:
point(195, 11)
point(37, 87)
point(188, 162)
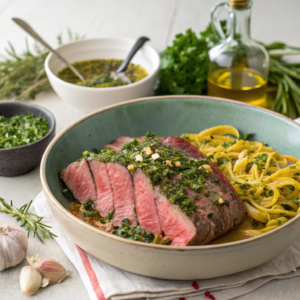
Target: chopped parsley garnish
point(210, 215)
point(89, 210)
point(228, 144)
point(297, 174)
point(162, 170)
point(244, 185)
point(97, 151)
point(260, 161)
point(135, 233)
point(246, 136)
point(297, 201)
point(222, 202)
point(21, 130)
point(185, 137)
point(110, 215)
point(222, 161)
point(255, 224)
point(68, 194)
point(88, 204)
point(93, 213)
point(292, 167)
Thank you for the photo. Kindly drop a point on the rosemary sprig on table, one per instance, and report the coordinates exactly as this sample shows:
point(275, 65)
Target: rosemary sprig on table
point(31, 221)
point(23, 75)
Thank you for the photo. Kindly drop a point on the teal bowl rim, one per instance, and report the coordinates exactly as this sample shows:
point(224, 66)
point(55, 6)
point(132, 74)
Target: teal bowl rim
point(45, 111)
point(134, 243)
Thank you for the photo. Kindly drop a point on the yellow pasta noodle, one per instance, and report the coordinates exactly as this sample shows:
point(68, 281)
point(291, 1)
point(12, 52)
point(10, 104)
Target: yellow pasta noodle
point(267, 182)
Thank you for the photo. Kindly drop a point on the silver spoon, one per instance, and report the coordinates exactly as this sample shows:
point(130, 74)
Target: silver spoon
point(120, 73)
point(31, 32)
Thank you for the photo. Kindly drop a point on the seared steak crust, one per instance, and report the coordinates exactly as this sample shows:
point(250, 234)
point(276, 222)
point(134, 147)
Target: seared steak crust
point(112, 187)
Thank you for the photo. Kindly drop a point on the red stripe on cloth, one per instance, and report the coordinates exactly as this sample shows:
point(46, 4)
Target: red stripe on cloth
point(91, 273)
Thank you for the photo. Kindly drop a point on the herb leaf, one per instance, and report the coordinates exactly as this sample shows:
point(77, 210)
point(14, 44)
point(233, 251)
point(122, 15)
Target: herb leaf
point(246, 136)
point(135, 233)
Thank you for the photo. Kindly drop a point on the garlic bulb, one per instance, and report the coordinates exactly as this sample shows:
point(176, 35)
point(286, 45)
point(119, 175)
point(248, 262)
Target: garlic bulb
point(49, 268)
point(13, 246)
point(30, 280)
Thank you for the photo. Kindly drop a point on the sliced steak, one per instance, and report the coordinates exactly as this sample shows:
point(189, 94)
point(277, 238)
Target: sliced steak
point(183, 146)
point(117, 144)
point(145, 204)
point(174, 223)
point(236, 206)
point(105, 201)
point(78, 178)
point(219, 215)
point(123, 193)
point(218, 186)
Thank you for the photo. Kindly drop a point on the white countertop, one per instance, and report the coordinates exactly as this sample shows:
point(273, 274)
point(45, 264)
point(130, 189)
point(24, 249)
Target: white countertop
point(272, 20)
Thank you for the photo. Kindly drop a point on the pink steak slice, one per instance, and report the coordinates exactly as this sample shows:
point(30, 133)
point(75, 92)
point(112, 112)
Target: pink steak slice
point(117, 144)
point(123, 193)
point(145, 204)
point(105, 201)
point(174, 223)
point(78, 178)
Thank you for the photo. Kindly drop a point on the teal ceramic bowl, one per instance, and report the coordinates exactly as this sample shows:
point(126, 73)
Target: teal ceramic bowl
point(167, 116)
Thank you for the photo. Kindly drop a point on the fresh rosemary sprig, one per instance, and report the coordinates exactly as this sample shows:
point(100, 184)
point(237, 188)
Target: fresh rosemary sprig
point(23, 75)
point(30, 220)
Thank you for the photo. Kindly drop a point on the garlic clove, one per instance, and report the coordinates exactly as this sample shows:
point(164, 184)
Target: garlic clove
point(13, 246)
point(30, 280)
point(49, 268)
point(45, 282)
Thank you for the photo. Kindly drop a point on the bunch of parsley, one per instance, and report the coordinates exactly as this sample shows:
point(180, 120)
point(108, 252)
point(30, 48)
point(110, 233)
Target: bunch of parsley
point(183, 67)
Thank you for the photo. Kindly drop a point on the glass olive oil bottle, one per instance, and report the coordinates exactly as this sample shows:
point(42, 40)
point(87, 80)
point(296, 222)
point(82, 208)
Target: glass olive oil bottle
point(238, 66)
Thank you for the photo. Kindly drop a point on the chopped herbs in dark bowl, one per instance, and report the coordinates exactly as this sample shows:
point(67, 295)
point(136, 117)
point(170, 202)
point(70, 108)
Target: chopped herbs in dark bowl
point(25, 132)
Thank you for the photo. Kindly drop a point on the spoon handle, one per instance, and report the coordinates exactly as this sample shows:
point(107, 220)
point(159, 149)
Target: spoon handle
point(139, 43)
point(31, 32)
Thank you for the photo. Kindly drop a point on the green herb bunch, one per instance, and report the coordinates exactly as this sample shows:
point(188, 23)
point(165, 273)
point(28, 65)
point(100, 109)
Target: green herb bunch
point(183, 70)
point(23, 75)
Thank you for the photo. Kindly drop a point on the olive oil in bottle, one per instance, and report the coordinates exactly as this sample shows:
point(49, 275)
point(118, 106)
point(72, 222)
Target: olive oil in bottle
point(237, 66)
point(242, 84)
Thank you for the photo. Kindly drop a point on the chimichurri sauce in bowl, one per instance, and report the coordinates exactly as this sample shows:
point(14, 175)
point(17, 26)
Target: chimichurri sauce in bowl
point(21, 130)
point(96, 73)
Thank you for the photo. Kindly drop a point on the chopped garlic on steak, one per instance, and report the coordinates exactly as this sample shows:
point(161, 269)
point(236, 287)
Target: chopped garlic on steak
point(139, 157)
point(155, 156)
point(177, 163)
point(207, 168)
point(148, 150)
point(169, 163)
point(221, 200)
point(130, 167)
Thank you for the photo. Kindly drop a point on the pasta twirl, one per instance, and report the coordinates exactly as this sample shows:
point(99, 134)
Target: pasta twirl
point(267, 182)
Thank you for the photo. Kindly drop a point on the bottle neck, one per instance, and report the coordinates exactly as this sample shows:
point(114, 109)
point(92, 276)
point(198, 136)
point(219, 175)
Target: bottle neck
point(240, 20)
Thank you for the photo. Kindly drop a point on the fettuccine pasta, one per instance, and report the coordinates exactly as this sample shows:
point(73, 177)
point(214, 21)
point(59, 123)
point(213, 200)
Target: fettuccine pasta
point(267, 182)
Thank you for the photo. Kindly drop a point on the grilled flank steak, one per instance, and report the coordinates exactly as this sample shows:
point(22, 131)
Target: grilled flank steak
point(156, 188)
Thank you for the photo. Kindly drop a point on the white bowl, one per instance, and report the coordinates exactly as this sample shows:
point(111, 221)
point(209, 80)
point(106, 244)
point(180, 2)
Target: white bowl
point(90, 99)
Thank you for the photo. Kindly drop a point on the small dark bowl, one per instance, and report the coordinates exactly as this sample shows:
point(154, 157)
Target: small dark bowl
point(20, 160)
